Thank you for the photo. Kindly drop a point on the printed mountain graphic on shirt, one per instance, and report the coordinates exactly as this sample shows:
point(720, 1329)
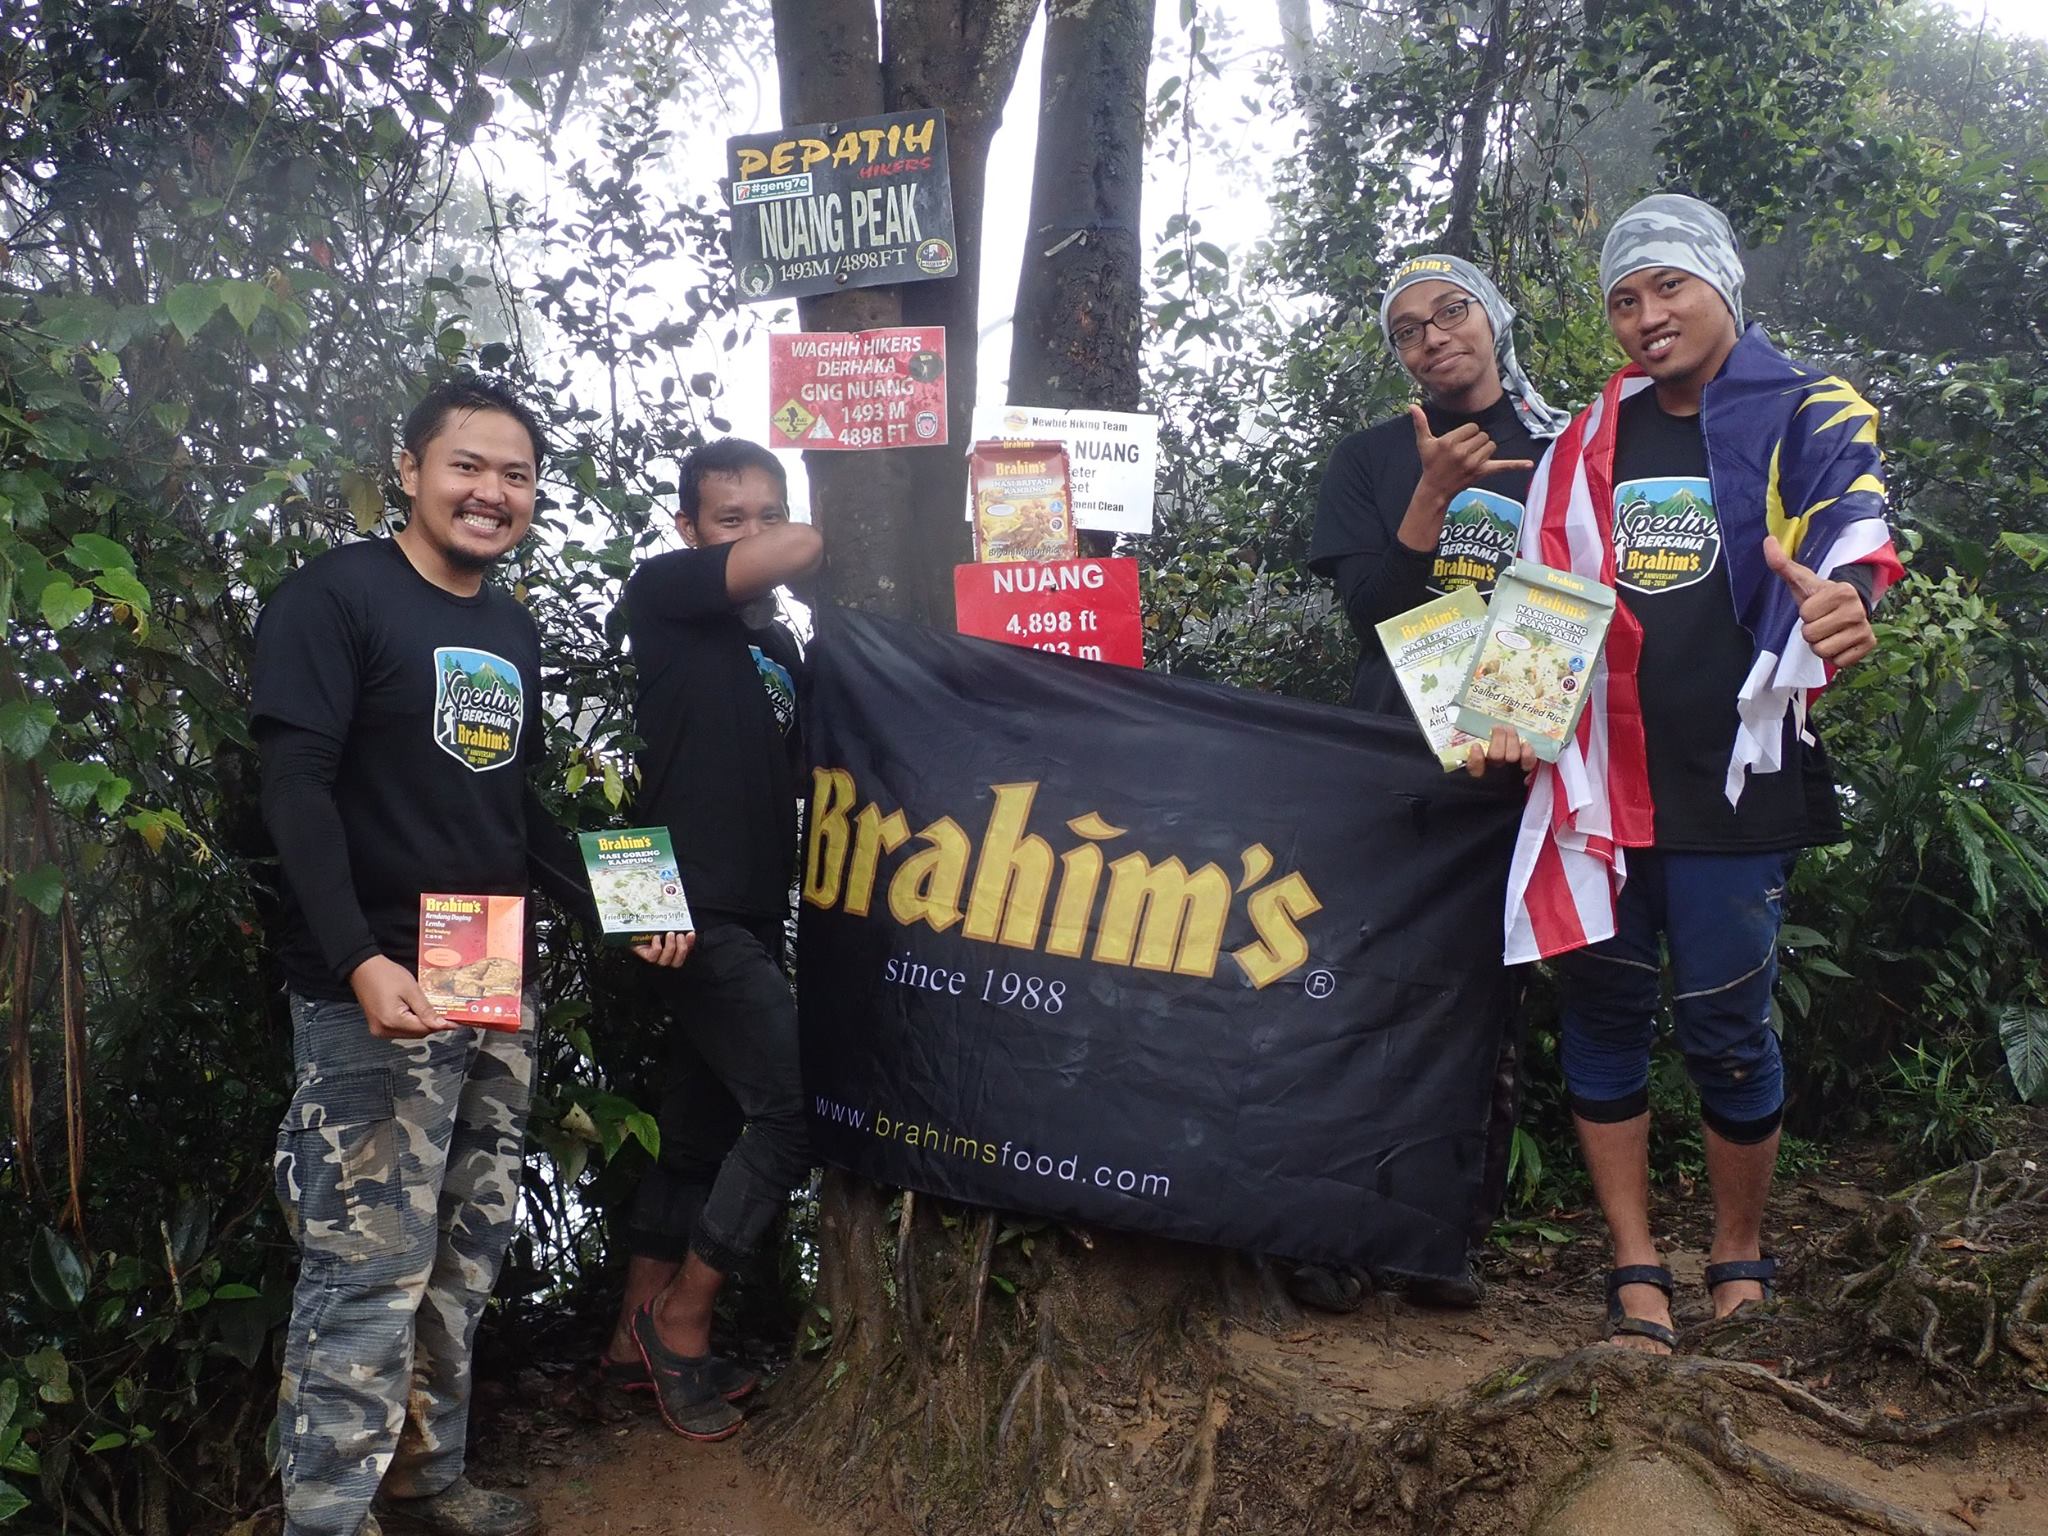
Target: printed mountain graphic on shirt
point(479, 707)
point(1666, 536)
point(780, 685)
point(1481, 530)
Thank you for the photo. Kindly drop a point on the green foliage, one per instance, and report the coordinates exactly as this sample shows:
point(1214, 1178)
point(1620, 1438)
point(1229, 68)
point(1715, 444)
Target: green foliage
point(1894, 155)
point(238, 240)
point(1929, 918)
point(2023, 1031)
point(1937, 1111)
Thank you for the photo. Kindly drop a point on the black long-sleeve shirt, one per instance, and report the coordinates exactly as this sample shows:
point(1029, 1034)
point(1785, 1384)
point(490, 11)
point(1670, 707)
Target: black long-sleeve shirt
point(397, 723)
point(1366, 489)
point(300, 768)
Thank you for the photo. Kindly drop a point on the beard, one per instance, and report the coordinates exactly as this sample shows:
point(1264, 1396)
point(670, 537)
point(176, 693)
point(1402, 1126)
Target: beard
point(468, 560)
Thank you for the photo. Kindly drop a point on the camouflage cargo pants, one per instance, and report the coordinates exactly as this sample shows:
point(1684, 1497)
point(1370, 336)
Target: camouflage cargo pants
point(398, 1166)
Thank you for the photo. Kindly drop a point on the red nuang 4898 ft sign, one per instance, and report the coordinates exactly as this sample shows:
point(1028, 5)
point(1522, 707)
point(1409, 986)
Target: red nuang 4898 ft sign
point(858, 389)
point(1085, 608)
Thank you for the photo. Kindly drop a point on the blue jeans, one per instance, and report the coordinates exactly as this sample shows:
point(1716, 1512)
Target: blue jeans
point(1718, 915)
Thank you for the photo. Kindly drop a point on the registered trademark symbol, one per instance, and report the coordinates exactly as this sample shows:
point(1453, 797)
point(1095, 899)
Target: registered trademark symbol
point(1319, 984)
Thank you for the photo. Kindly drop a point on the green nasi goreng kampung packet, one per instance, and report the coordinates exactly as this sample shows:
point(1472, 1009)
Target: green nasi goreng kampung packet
point(1534, 662)
point(1430, 647)
point(634, 878)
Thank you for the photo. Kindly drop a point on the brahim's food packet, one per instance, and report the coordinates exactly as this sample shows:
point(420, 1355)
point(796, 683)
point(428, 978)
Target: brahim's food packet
point(1534, 663)
point(1023, 501)
point(638, 889)
point(472, 953)
point(1430, 647)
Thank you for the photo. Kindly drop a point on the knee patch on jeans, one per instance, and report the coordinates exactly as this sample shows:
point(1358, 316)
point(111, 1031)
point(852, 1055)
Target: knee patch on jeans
point(1743, 1133)
point(1742, 1086)
point(1612, 1111)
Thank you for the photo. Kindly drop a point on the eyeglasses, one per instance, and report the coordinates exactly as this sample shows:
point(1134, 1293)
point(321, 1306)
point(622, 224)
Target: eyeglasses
point(1447, 319)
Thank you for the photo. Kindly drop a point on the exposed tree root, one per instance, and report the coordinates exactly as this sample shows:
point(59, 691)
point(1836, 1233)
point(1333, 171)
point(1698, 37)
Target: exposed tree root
point(1202, 1452)
point(1579, 1370)
point(998, 1377)
point(1721, 1445)
point(1952, 1269)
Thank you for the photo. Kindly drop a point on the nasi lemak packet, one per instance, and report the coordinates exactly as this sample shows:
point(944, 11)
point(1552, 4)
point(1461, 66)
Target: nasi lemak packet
point(634, 878)
point(1023, 501)
point(1534, 663)
point(1430, 647)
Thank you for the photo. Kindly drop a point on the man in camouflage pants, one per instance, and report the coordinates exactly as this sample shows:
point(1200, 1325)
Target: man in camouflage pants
point(397, 708)
point(398, 1164)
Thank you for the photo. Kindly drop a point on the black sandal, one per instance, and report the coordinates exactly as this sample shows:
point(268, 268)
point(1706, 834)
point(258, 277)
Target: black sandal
point(1764, 1271)
point(621, 1375)
point(688, 1389)
point(1619, 1322)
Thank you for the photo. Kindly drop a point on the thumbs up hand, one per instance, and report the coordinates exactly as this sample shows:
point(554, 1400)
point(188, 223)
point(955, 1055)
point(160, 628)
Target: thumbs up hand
point(1831, 613)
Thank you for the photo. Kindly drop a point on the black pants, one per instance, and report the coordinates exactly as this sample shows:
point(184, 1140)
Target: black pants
point(733, 1130)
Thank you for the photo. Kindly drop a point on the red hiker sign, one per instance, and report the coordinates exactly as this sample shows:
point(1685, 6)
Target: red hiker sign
point(858, 389)
point(1084, 608)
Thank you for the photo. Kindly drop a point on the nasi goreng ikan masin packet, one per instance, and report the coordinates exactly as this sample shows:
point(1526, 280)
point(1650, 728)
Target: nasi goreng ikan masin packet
point(1430, 647)
point(634, 877)
point(472, 951)
point(1534, 662)
point(1023, 501)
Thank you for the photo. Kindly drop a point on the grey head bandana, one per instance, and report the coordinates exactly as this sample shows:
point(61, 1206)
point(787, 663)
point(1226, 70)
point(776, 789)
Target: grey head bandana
point(1537, 414)
point(1670, 229)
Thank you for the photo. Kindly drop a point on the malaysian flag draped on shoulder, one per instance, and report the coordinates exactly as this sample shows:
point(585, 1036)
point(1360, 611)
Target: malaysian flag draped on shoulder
point(1792, 453)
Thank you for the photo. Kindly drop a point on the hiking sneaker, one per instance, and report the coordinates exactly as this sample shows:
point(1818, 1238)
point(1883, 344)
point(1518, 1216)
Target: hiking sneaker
point(733, 1380)
point(1329, 1287)
point(1458, 1293)
point(460, 1509)
point(686, 1388)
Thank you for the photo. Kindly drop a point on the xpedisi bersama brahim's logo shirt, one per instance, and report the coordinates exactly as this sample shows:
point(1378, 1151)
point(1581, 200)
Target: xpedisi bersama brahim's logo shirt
point(478, 707)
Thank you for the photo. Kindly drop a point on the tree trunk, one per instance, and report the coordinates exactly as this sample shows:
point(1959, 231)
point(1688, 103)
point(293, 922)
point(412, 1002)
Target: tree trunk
point(892, 519)
point(828, 59)
point(1297, 38)
point(974, 1357)
point(1079, 308)
point(960, 55)
point(1458, 233)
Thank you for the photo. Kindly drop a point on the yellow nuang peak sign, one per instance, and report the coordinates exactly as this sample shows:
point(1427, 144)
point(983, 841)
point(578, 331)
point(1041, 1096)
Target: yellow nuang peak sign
point(1097, 899)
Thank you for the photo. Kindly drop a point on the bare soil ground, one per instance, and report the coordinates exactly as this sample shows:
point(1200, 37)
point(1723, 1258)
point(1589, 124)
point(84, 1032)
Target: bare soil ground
point(1883, 1392)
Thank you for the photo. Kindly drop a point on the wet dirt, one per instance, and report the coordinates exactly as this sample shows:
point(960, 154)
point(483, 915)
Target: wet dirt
point(604, 1467)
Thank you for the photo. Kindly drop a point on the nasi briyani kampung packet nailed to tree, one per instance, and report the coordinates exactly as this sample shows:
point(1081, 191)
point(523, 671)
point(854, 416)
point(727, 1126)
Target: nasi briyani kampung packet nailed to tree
point(472, 957)
point(1023, 501)
point(1430, 646)
point(1534, 663)
point(634, 877)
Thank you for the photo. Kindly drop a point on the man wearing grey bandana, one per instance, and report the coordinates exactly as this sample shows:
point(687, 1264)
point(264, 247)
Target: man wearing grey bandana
point(1734, 498)
point(1429, 501)
point(1417, 506)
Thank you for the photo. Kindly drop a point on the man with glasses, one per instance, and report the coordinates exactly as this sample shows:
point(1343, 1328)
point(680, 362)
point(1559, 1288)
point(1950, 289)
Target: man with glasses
point(1420, 505)
point(1429, 501)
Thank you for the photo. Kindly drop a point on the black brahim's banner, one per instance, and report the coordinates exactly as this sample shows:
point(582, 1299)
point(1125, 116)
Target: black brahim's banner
point(1147, 952)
